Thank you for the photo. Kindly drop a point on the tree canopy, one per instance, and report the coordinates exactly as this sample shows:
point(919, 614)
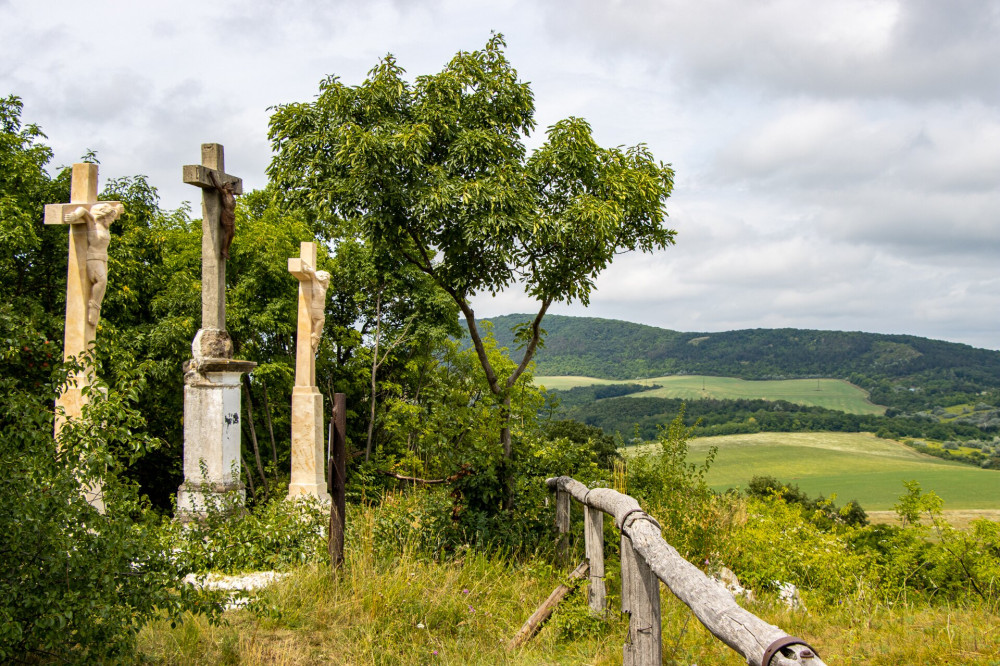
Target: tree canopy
point(435, 174)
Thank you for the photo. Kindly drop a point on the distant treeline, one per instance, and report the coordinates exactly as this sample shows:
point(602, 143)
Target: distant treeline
point(904, 372)
point(625, 415)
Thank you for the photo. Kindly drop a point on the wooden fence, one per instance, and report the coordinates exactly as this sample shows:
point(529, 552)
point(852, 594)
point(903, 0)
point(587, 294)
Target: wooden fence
point(647, 559)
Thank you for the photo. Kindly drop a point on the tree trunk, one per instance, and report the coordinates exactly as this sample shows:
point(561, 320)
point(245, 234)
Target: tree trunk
point(253, 430)
point(270, 429)
point(246, 468)
point(505, 428)
point(371, 395)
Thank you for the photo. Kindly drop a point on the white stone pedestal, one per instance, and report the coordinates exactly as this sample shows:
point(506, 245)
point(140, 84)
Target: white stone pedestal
point(211, 436)
point(308, 462)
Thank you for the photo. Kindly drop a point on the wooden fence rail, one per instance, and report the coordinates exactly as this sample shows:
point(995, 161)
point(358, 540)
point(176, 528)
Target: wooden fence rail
point(647, 559)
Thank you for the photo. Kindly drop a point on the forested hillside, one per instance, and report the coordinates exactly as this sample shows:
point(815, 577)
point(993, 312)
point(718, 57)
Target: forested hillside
point(905, 372)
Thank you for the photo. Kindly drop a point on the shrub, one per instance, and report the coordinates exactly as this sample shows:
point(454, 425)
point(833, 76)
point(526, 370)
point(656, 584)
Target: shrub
point(273, 535)
point(75, 584)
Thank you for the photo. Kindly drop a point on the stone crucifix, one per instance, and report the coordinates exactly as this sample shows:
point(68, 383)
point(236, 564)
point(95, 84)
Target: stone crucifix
point(86, 281)
point(217, 229)
point(212, 398)
point(87, 275)
point(307, 402)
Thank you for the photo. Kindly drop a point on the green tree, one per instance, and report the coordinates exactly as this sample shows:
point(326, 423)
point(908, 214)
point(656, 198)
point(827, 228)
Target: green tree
point(435, 174)
point(915, 504)
point(32, 256)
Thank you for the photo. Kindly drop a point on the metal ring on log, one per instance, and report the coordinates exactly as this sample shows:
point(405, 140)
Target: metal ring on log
point(780, 643)
point(644, 515)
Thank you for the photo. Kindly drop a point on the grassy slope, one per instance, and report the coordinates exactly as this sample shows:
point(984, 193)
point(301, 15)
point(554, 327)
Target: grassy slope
point(828, 393)
point(852, 465)
point(407, 610)
point(402, 608)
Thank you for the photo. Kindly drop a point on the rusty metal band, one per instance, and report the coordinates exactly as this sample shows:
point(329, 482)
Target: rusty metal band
point(783, 642)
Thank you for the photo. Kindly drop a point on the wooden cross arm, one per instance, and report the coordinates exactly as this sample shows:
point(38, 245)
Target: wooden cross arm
point(56, 213)
point(196, 174)
point(300, 269)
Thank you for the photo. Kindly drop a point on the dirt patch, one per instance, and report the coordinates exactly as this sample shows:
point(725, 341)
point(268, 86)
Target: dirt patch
point(959, 518)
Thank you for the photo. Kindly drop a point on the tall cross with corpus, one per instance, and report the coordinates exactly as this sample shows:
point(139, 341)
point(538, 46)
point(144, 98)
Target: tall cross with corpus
point(80, 328)
point(217, 191)
point(89, 237)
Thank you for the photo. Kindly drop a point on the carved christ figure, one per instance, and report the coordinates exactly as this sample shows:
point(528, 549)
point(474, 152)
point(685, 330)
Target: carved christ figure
point(227, 216)
point(98, 219)
point(316, 297)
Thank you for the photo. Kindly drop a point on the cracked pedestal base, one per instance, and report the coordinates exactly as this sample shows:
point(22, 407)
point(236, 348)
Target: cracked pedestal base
point(211, 436)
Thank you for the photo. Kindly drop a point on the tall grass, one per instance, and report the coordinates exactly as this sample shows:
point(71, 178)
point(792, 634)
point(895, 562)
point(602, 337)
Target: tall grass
point(400, 606)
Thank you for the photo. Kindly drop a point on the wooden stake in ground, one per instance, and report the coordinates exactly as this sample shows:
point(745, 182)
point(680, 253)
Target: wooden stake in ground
point(593, 526)
point(534, 623)
point(562, 526)
point(86, 281)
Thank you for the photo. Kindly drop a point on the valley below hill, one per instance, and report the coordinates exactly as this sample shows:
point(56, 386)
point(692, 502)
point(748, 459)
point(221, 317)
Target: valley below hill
point(940, 399)
point(850, 466)
point(901, 372)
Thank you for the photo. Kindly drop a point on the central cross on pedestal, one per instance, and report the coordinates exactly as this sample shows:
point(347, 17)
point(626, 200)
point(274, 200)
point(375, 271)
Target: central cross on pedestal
point(212, 410)
point(218, 189)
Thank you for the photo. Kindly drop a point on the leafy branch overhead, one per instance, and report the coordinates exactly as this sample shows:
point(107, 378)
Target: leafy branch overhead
point(435, 174)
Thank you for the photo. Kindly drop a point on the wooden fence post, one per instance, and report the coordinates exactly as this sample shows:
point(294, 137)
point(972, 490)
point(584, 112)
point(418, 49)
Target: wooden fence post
point(593, 534)
point(562, 525)
point(647, 559)
point(627, 558)
point(641, 595)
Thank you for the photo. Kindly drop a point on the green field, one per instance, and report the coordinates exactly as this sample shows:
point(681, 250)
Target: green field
point(829, 393)
point(853, 465)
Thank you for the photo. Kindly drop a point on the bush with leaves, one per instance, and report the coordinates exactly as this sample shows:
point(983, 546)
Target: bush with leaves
point(75, 584)
point(666, 484)
point(273, 535)
point(820, 510)
point(774, 540)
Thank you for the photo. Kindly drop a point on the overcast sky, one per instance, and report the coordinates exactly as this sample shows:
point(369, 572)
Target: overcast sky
point(838, 162)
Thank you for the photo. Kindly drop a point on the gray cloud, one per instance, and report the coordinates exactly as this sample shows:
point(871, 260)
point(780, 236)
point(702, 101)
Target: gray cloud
point(911, 50)
point(838, 163)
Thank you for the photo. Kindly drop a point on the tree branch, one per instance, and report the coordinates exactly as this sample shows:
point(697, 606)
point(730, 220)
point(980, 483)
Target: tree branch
point(465, 471)
point(477, 342)
point(529, 352)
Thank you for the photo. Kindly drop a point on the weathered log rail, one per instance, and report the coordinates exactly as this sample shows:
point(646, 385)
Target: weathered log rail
point(647, 559)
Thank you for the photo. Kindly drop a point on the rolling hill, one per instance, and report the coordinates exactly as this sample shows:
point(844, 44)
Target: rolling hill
point(903, 372)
